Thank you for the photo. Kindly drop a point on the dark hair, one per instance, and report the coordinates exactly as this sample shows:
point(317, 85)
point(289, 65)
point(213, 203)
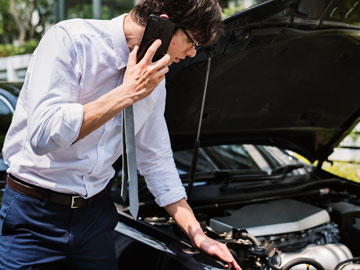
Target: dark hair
point(201, 17)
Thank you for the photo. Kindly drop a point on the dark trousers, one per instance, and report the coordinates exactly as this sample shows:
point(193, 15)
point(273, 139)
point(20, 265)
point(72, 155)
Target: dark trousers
point(37, 234)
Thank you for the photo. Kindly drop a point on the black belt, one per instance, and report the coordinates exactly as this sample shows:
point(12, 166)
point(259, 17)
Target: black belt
point(73, 201)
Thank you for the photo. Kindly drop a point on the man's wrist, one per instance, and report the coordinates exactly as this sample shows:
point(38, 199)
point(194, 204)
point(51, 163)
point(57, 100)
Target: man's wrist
point(197, 237)
point(125, 97)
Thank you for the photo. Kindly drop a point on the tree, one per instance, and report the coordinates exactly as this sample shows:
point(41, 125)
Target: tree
point(29, 17)
point(8, 29)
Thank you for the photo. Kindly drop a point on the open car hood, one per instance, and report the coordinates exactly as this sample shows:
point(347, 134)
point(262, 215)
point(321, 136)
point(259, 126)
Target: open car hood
point(286, 73)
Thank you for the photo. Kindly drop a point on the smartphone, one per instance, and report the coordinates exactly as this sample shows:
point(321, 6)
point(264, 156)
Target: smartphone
point(156, 28)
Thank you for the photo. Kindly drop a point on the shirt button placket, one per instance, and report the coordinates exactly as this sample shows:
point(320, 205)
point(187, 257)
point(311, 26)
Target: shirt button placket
point(101, 147)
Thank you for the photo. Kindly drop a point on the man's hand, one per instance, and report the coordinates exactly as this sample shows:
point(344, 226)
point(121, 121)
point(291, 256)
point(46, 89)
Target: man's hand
point(215, 248)
point(141, 78)
point(185, 218)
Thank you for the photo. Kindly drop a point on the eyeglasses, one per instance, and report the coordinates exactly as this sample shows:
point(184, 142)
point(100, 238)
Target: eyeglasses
point(195, 46)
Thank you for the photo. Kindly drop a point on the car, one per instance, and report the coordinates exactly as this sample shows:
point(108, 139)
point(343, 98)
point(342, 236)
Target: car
point(279, 86)
point(8, 97)
point(282, 80)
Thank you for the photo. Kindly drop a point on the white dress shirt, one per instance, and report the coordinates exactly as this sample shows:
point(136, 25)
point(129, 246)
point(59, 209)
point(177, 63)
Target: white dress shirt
point(76, 62)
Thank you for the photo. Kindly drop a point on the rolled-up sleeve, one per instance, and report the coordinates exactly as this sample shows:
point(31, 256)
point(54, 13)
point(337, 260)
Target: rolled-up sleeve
point(54, 114)
point(155, 159)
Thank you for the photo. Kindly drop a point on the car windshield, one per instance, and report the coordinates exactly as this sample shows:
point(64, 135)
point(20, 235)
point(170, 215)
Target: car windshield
point(242, 158)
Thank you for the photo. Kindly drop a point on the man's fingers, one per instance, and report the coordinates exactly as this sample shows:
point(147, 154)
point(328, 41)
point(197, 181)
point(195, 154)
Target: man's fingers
point(132, 56)
point(146, 75)
point(219, 250)
point(226, 256)
point(151, 51)
point(235, 265)
point(163, 61)
point(157, 70)
point(161, 72)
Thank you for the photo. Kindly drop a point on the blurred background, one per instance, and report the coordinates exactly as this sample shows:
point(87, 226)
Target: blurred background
point(23, 23)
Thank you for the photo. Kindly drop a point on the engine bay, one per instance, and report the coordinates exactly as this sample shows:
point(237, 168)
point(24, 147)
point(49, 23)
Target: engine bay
point(315, 232)
point(283, 234)
point(273, 217)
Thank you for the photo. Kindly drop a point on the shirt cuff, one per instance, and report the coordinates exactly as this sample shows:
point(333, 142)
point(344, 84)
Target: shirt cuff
point(172, 196)
point(69, 126)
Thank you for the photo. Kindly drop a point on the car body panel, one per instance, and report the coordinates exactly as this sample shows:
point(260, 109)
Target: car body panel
point(284, 74)
point(8, 98)
point(272, 81)
point(160, 250)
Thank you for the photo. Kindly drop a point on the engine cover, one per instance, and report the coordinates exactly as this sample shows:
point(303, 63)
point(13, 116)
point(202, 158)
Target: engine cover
point(328, 256)
point(274, 217)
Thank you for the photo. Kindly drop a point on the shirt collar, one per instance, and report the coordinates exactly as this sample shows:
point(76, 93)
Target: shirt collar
point(120, 45)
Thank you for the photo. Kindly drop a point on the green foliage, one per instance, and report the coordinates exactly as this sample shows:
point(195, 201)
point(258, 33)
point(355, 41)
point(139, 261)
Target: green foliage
point(232, 10)
point(80, 11)
point(353, 135)
point(235, 6)
point(24, 20)
point(8, 28)
point(10, 50)
point(85, 11)
point(343, 169)
point(346, 170)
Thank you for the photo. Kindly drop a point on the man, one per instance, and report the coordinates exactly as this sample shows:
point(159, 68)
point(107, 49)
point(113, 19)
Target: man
point(66, 134)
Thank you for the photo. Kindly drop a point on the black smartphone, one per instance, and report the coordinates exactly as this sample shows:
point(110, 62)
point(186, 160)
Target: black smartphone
point(156, 28)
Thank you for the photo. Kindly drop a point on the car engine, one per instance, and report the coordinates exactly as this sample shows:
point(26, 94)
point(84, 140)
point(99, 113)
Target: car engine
point(287, 234)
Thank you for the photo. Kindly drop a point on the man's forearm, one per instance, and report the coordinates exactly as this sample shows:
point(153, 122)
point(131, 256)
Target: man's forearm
point(101, 110)
point(139, 82)
point(185, 218)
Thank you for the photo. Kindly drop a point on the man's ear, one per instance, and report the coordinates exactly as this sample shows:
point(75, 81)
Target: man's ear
point(164, 16)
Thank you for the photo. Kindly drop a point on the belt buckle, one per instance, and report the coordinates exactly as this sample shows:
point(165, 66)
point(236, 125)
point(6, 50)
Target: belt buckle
point(73, 202)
